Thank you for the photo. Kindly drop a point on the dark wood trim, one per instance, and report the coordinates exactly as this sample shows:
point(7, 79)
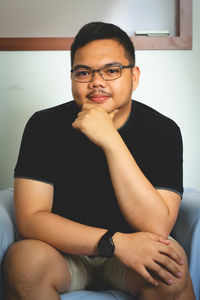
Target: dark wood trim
point(182, 41)
point(42, 43)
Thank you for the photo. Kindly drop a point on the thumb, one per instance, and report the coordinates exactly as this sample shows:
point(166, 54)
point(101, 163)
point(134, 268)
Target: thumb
point(113, 113)
point(163, 240)
point(160, 238)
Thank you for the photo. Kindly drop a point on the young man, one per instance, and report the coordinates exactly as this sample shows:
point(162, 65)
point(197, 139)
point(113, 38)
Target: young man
point(98, 185)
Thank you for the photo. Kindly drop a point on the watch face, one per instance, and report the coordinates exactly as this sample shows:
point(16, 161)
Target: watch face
point(106, 247)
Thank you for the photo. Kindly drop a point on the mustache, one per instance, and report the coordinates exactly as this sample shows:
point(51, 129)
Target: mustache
point(99, 92)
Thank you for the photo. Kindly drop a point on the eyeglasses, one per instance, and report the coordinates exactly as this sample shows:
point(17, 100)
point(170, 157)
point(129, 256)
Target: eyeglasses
point(108, 73)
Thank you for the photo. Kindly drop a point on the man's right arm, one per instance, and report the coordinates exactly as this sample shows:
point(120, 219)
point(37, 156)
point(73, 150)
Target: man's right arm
point(33, 205)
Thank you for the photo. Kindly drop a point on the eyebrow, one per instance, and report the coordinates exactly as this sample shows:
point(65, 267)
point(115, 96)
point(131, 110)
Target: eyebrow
point(80, 66)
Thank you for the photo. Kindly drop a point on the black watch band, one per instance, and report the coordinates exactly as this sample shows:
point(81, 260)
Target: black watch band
point(106, 246)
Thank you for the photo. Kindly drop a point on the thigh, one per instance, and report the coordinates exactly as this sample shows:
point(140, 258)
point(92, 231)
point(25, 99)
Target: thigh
point(32, 262)
point(114, 274)
point(81, 272)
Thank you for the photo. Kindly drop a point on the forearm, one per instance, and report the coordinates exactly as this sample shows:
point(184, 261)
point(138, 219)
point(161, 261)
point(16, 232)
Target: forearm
point(63, 234)
point(139, 201)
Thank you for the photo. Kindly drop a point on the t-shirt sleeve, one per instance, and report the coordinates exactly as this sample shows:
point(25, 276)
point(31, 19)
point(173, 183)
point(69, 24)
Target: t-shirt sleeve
point(165, 158)
point(34, 159)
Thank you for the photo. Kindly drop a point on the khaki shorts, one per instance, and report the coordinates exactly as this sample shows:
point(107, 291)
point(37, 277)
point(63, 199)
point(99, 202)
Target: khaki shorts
point(96, 273)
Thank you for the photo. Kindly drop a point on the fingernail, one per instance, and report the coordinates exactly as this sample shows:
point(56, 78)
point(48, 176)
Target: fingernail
point(156, 283)
point(170, 281)
point(182, 262)
point(179, 274)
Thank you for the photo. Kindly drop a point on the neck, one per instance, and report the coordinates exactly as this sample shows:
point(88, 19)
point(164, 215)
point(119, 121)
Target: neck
point(122, 115)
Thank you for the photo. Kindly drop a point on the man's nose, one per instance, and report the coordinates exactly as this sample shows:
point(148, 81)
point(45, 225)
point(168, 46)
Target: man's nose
point(97, 79)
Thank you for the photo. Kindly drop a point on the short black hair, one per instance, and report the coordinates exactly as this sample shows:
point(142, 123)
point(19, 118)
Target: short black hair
point(100, 30)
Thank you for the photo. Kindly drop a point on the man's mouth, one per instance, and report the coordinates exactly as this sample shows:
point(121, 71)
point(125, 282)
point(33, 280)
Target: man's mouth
point(98, 97)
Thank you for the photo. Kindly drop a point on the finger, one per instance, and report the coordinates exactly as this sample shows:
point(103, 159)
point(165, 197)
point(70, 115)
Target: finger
point(80, 116)
point(76, 125)
point(162, 273)
point(168, 263)
point(163, 240)
point(87, 106)
point(82, 113)
point(159, 238)
point(147, 276)
point(113, 113)
point(172, 254)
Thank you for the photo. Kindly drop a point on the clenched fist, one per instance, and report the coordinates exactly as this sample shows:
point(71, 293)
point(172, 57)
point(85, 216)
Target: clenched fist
point(96, 124)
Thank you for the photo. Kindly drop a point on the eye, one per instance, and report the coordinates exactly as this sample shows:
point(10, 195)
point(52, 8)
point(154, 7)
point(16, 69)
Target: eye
point(112, 71)
point(81, 73)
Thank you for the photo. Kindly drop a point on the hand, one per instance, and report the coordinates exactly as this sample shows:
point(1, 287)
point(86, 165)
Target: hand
point(96, 124)
point(146, 253)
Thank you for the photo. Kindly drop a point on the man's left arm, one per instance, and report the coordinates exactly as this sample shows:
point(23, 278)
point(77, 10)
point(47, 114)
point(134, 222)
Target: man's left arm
point(144, 207)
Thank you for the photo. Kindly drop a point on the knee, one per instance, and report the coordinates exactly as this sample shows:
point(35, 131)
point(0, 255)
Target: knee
point(179, 287)
point(183, 284)
point(23, 263)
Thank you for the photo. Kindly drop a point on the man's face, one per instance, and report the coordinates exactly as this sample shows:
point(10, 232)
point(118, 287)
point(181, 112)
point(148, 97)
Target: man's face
point(110, 95)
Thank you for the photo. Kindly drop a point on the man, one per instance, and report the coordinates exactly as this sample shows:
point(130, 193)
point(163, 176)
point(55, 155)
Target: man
point(98, 185)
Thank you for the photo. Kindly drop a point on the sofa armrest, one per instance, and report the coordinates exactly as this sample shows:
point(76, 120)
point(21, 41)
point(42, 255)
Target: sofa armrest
point(7, 225)
point(8, 230)
point(187, 232)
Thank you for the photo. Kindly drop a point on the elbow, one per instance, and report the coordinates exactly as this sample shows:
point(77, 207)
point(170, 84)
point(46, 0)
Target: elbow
point(25, 227)
point(30, 226)
point(158, 228)
point(23, 230)
point(163, 229)
point(164, 233)
point(159, 231)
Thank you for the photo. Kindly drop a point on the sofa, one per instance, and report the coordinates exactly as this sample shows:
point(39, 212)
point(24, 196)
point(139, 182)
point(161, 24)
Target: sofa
point(186, 231)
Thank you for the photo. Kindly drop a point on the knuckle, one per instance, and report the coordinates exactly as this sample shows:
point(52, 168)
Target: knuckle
point(167, 261)
point(147, 278)
point(93, 110)
point(84, 121)
point(160, 272)
point(158, 269)
point(171, 251)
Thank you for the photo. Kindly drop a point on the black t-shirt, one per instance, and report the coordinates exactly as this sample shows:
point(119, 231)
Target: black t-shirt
point(53, 152)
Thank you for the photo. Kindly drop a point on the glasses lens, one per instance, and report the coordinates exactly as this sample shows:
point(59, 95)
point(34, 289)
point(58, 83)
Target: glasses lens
point(110, 73)
point(82, 75)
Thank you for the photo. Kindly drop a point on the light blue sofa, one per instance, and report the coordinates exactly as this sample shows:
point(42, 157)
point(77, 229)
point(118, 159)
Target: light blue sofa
point(186, 232)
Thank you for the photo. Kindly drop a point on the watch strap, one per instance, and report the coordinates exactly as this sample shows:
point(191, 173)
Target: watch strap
point(108, 234)
point(106, 240)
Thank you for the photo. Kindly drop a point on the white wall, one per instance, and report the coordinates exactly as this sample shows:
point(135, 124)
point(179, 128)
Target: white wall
point(170, 82)
point(24, 18)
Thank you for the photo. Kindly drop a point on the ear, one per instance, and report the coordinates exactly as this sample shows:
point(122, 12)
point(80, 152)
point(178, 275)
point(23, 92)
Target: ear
point(135, 77)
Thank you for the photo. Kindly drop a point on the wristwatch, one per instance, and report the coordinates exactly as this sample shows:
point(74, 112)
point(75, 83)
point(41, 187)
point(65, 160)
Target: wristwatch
point(106, 246)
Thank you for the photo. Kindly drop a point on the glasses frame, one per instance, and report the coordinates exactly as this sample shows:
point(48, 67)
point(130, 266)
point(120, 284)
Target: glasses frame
point(99, 71)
